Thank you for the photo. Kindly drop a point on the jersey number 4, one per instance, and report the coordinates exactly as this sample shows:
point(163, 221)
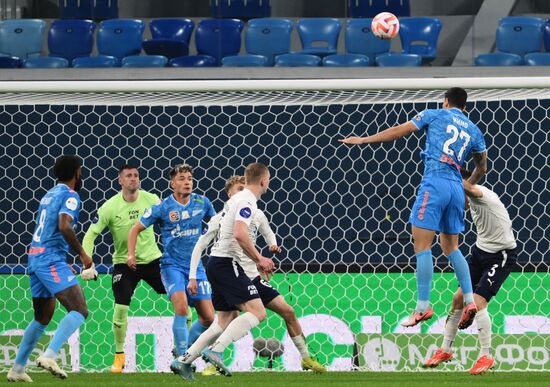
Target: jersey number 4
point(454, 137)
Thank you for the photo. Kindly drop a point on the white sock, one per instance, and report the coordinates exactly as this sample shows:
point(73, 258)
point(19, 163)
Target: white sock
point(300, 343)
point(483, 322)
point(204, 340)
point(451, 328)
point(237, 329)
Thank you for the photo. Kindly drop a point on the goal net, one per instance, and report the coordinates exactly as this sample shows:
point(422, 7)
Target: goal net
point(340, 213)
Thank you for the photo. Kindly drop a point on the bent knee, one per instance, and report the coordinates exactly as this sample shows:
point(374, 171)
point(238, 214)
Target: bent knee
point(288, 314)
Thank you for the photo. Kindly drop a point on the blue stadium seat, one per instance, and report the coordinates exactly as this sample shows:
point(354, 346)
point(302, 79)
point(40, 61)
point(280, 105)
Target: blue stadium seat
point(9, 62)
point(360, 40)
point(498, 59)
point(240, 9)
point(419, 35)
point(268, 37)
point(297, 60)
point(346, 60)
point(144, 61)
point(519, 34)
point(170, 37)
point(370, 8)
point(319, 36)
point(71, 39)
point(547, 35)
point(219, 38)
point(537, 59)
point(95, 61)
point(88, 9)
point(247, 60)
point(45, 62)
point(398, 60)
point(193, 61)
point(21, 38)
point(120, 37)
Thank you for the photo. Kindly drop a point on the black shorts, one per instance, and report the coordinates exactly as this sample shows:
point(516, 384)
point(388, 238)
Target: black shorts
point(125, 280)
point(490, 270)
point(267, 292)
point(230, 285)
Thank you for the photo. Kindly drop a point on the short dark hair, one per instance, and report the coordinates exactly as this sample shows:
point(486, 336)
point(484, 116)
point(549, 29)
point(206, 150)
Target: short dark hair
point(180, 168)
point(254, 172)
point(66, 166)
point(126, 166)
point(465, 173)
point(457, 97)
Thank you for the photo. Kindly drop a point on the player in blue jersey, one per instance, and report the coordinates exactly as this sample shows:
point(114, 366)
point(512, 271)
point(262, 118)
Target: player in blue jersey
point(180, 217)
point(439, 205)
point(51, 277)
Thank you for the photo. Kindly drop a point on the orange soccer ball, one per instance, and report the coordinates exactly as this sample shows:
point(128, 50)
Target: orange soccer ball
point(385, 25)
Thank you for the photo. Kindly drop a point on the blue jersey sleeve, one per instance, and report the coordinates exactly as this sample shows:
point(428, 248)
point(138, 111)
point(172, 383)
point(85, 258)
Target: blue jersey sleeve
point(478, 145)
point(424, 118)
point(151, 215)
point(70, 205)
point(208, 208)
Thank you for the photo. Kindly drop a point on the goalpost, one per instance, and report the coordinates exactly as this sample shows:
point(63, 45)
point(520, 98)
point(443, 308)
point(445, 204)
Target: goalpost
point(340, 212)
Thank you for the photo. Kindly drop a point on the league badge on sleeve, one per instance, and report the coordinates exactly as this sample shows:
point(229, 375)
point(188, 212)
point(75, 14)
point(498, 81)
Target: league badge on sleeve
point(245, 212)
point(147, 213)
point(71, 204)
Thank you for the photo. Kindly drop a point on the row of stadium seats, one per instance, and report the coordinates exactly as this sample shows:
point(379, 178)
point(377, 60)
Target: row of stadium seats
point(108, 9)
point(519, 40)
point(217, 38)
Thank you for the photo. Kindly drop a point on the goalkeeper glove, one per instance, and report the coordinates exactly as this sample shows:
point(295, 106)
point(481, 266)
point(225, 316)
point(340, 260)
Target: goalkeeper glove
point(89, 274)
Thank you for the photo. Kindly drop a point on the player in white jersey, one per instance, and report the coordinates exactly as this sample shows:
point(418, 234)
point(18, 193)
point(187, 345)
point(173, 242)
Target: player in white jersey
point(492, 259)
point(232, 290)
point(271, 298)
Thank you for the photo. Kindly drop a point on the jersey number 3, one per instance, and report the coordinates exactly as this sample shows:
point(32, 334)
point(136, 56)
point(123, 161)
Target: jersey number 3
point(454, 136)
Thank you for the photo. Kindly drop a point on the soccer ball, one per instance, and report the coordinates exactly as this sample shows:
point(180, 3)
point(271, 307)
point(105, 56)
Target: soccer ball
point(385, 25)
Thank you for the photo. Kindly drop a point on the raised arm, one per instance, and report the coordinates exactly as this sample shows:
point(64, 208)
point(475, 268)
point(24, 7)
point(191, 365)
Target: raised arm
point(480, 160)
point(65, 224)
point(132, 241)
point(390, 134)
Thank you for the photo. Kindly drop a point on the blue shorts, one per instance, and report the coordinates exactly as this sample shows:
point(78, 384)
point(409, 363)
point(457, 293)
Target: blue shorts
point(47, 281)
point(439, 206)
point(176, 279)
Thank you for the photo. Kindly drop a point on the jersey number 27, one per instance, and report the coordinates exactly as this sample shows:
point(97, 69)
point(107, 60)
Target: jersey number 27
point(454, 137)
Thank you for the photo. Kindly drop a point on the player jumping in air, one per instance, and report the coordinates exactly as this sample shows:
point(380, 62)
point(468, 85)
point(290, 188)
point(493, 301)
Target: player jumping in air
point(270, 297)
point(51, 277)
point(439, 205)
point(119, 214)
point(180, 217)
point(491, 260)
point(232, 290)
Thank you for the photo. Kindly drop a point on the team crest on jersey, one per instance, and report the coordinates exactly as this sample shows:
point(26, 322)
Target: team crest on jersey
point(174, 216)
point(197, 212)
point(185, 215)
point(147, 213)
point(71, 204)
point(418, 117)
point(205, 229)
point(245, 212)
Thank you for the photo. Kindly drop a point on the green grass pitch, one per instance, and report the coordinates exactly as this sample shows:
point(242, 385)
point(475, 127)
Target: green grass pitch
point(301, 379)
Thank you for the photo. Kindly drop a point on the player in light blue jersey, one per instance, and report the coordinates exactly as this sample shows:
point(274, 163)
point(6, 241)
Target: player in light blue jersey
point(51, 277)
point(439, 205)
point(180, 217)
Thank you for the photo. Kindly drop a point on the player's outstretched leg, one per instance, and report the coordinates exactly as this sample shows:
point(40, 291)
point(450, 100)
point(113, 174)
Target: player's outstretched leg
point(72, 299)
point(283, 309)
point(120, 325)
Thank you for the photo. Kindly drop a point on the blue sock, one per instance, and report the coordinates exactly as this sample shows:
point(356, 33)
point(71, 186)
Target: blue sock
point(70, 323)
point(30, 338)
point(462, 271)
point(424, 273)
point(196, 330)
point(179, 327)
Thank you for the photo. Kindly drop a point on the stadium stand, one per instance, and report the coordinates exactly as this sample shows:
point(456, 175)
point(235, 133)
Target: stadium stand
point(319, 36)
point(419, 35)
point(268, 37)
point(144, 61)
point(21, 38)
point(297, 60)
point(95, 61)
point(360, 40)
point(247, 60)
point(519, 34)
point(45, 62)
point(170, 37)
point(346, 60)
point(219, 38)
point(537, 59)
point(193, 61)
point(9, 62)
point(370, 8)
point(88, 9)
point(498, 59)
point(71, 39)
point(120, 37)
point(398, 60)
point(546, 35)
point(240, 9)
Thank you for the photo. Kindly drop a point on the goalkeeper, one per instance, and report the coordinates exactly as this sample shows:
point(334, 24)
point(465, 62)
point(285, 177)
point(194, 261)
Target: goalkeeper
point(119, 214)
